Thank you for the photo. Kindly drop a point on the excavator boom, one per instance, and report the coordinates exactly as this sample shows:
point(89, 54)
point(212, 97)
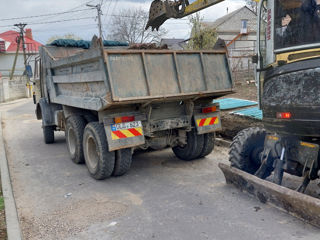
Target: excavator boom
point(160, 11)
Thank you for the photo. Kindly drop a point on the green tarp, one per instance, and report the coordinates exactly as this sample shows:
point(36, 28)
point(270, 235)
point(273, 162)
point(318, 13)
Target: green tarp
point(84, 44)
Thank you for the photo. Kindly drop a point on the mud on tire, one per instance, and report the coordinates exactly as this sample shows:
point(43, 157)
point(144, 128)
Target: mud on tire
point(74, 135)
point(246, 148)
point(100, 162)
point(193, 149)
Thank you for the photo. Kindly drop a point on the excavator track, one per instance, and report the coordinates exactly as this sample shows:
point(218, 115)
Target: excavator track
point(297, 204)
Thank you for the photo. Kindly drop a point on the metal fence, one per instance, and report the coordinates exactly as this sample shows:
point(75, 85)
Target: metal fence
point(240, 59)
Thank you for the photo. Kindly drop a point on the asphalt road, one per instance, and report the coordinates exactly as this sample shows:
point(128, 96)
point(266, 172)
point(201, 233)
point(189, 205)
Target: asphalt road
point(160, 198)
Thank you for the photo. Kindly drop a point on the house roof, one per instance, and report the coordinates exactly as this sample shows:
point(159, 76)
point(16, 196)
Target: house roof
point(174, 43)
point(11, 37)
point(171, 41)
point(225, 18)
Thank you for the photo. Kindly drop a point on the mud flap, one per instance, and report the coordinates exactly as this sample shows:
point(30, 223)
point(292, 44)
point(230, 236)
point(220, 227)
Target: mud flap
point(124, 135)
point(208, 122)
point(293, 202)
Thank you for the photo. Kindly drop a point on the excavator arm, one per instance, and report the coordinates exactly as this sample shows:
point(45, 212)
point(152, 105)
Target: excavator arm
point(161, 10)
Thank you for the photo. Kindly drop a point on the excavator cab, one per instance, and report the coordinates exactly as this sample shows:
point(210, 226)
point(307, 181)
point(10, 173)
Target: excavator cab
point(288, 52)
point(288, 80)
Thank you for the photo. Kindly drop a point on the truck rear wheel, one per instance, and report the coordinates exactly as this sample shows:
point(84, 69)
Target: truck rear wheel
point(246, 149)
point(123, 162)
point(100, 162)
point(192, 149)
point(74, 135)
point(48, 134)
point(208, 145)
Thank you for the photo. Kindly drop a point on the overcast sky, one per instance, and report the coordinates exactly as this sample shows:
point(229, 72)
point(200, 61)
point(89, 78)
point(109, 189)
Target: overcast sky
point(86, 28)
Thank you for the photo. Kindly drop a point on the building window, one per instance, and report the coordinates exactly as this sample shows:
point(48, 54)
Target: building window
point(2, 46)
point(244, 26)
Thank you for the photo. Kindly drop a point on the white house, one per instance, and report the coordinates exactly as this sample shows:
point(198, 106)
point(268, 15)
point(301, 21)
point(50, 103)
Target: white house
point(238, 29)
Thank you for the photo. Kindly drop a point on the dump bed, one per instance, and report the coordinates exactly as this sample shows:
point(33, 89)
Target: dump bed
point(99, 78)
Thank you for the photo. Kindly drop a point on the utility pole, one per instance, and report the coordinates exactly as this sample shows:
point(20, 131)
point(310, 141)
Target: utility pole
point(20, 39)
point(98, 7)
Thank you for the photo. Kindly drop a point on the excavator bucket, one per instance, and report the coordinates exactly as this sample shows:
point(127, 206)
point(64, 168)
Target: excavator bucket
point(157, 14)
point(297, 204)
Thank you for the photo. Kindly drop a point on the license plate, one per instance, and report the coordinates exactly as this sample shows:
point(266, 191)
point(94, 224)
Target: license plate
point(124, 126)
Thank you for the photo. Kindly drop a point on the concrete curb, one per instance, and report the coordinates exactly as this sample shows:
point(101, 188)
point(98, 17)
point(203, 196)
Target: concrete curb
point(12, 220)
point(222, 143)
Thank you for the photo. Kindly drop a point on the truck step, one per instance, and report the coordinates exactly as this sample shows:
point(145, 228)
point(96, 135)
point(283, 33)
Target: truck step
point(297, 204)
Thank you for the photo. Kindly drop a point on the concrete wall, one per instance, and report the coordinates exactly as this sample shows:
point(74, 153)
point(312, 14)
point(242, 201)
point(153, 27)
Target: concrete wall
point(13, 89)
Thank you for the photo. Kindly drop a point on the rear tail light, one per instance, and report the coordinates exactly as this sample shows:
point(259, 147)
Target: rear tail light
point(124, 119)
point(209, 109)
point(284, 115)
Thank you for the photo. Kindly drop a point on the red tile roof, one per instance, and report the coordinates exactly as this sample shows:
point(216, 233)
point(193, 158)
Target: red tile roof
point(11, 37)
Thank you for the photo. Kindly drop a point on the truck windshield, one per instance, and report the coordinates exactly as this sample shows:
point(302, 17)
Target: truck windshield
point(297, 22)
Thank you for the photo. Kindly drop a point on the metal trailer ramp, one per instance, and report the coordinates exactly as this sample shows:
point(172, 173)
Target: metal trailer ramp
point(297, 204)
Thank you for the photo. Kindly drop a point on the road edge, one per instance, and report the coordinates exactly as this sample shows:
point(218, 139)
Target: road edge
point(12, 220)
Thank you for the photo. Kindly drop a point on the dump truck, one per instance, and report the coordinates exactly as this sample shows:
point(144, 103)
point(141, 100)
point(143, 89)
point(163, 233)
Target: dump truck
point(112, 100)
point(288, 81)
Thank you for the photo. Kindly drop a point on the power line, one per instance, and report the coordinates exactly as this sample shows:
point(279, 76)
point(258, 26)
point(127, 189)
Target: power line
point(83, 4)
point(57, 21)
point(45, 15)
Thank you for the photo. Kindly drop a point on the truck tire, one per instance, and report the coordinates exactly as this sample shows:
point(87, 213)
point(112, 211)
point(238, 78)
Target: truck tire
point(123, 162)
point(208, 145)
point(74, 135)
point(192, 149)
point(100, 162)
point(246, 148)
point(48, 134)
point(90, 118)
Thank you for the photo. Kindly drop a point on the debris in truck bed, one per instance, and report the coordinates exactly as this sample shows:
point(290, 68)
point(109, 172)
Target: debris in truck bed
point(84, 44)
point(148, 46)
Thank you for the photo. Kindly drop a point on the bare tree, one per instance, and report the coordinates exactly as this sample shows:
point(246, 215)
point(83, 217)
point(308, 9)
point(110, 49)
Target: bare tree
point(129, 25)
point(253, 5)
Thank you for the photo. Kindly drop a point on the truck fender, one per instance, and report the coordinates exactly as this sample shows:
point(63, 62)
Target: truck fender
point(45, 111)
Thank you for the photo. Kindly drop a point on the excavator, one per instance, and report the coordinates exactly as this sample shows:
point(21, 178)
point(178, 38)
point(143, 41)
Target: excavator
point(287, 76)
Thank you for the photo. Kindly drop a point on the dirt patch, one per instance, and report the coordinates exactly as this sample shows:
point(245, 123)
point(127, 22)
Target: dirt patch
point(245, 91)
point(71, 220)
point(232, 124)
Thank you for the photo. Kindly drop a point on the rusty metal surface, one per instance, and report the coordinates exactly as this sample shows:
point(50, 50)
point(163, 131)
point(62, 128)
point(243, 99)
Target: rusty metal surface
point(297, 204)
point(157, 14)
